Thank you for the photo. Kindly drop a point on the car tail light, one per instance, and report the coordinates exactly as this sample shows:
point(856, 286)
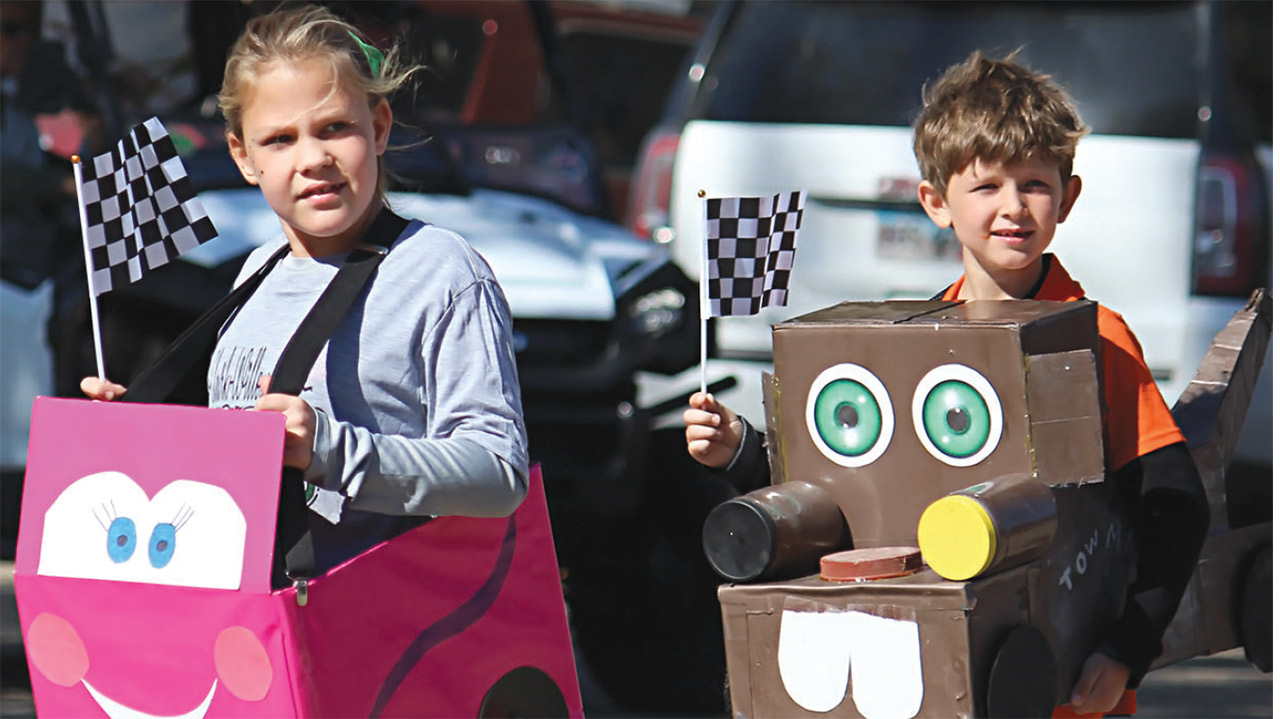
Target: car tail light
point(1226, 255)
point(649, 204)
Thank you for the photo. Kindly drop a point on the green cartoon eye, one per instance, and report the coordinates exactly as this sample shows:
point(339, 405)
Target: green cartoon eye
point(956, 420)
point(957, 415)
point(849, 415)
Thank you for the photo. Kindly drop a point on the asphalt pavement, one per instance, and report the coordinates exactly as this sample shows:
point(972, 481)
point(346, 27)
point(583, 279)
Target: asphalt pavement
point(1218, 687)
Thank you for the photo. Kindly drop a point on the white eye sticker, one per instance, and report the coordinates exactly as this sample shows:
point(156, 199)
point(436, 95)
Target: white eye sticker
point(849, 415)
point(103, 526)
point(957, 415)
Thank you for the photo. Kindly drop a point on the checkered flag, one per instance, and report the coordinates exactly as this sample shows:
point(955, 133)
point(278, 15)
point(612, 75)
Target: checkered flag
point(751, 244)
point(138, 208)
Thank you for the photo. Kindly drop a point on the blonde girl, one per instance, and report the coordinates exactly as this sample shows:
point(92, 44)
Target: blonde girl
point(413, 407)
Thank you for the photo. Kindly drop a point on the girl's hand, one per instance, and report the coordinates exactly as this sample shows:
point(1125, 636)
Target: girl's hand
point(101, 389)
point(713, 431)
point(1100, 686)
point(299, 423)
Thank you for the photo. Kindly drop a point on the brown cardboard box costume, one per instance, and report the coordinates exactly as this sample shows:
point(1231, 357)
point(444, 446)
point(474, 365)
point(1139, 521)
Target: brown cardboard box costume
point(978, 425)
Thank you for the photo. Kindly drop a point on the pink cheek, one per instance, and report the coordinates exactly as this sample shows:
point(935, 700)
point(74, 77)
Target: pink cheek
point(56, 650)
point(242, 664)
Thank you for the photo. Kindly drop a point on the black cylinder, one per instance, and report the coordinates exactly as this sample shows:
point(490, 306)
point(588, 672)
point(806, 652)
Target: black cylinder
point(775, 532)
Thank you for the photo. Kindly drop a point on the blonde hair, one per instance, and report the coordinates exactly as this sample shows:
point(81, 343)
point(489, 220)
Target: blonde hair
point(995, 111)
point(304, 33)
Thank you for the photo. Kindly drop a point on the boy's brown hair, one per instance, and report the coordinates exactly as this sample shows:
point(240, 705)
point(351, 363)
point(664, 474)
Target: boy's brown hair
point(996, 111)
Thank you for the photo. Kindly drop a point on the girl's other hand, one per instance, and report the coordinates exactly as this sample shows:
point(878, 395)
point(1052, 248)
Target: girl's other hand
point(299, 423)
point(101, 389)
point(713, 432)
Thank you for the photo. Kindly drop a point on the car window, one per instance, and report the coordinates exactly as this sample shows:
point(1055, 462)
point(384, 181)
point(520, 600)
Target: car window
point(449, 46)
point(1246, 40)
point(621, 83)
point(1131, 66)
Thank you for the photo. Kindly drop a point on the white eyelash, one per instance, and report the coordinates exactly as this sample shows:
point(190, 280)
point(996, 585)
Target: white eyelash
point(184, 515)
point(109, 512)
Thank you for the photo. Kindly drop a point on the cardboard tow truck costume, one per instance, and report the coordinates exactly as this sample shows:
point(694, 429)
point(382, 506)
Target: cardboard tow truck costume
point(143, 586)
point(973, 430)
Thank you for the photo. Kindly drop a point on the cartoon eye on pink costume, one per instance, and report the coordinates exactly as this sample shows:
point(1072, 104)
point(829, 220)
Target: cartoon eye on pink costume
point(143, 586)
point(141, 543)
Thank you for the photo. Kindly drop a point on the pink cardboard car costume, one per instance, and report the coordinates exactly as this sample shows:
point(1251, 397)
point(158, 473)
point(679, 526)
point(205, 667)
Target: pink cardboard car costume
point(142, 581)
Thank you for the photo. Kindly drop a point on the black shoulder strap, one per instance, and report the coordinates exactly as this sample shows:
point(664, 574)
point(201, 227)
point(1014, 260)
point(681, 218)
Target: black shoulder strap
point(294, 556)
point(158, 381)
point(317, 327)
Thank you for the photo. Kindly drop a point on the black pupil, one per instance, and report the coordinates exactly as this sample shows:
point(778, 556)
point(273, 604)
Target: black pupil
point(847, 416)
point(161, 545)
point(121, 540)
point(957, 419)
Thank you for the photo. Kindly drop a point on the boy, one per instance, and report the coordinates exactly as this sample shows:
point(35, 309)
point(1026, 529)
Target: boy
point(995, 144)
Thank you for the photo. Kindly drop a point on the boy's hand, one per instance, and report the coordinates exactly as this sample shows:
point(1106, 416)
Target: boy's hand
point(1100, 686)
point(101, 389)
point(299, 423)
point(713, 431)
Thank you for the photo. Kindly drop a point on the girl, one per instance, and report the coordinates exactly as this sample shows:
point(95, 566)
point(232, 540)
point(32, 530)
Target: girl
point(413, 407)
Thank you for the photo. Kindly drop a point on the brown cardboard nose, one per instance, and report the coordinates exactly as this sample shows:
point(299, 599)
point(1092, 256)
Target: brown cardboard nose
point(855, 565)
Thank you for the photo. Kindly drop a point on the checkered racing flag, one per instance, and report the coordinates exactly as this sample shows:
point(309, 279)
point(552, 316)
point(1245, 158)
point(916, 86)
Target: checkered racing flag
point(139, 208)
point(751, 243)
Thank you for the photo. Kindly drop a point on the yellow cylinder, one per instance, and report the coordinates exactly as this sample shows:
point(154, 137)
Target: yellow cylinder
point(987, 527)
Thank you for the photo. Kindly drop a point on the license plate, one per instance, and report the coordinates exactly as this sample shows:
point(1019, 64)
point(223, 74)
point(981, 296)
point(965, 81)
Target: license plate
point(912, 236)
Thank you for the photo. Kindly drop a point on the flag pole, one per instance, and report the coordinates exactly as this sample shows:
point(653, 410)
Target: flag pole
point(704, 300)
point(88, 267)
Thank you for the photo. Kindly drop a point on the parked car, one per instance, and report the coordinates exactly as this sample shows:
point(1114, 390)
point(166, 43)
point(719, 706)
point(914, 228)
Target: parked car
point(1173, 229)
point(602, 68)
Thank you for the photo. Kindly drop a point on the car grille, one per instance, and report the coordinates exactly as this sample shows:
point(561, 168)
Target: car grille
point(560, 343)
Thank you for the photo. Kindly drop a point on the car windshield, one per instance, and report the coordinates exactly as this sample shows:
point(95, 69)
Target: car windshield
point(1131, 66)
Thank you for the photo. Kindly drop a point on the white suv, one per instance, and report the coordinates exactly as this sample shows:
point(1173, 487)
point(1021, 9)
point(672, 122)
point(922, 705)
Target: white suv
point(1172, 229)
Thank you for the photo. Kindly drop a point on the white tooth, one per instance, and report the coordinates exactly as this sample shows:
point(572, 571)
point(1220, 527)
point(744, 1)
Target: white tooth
point(885, 659)
point(813, 658)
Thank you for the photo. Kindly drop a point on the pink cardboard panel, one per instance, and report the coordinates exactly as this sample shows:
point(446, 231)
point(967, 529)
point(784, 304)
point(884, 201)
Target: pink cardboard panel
point(98, 648)
point(444, 618)
point(457, 615)
point(151, 493)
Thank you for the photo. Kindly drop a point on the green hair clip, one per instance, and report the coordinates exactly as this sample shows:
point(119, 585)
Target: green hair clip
point(371, 53)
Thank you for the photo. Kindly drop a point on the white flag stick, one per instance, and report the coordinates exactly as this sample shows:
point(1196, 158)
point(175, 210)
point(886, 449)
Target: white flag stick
point(704, 301)
point(88, 267)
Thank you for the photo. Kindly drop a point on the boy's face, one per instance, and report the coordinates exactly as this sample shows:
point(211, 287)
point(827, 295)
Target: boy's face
point(1004, 215)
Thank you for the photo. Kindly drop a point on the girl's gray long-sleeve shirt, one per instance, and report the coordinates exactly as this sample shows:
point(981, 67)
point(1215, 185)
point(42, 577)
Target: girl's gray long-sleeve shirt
point(416, 394)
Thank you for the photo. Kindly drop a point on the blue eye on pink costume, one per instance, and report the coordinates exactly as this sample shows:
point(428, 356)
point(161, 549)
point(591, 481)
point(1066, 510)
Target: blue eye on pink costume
point(121, 539)
point(160, 548)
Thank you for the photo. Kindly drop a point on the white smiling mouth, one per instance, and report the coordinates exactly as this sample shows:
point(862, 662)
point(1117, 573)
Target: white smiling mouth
point(116, 710)
point(825, 656)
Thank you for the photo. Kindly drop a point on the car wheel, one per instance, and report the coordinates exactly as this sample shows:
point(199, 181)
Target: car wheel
point(1022, 677)
point(524, 692)
point(1255, 617)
